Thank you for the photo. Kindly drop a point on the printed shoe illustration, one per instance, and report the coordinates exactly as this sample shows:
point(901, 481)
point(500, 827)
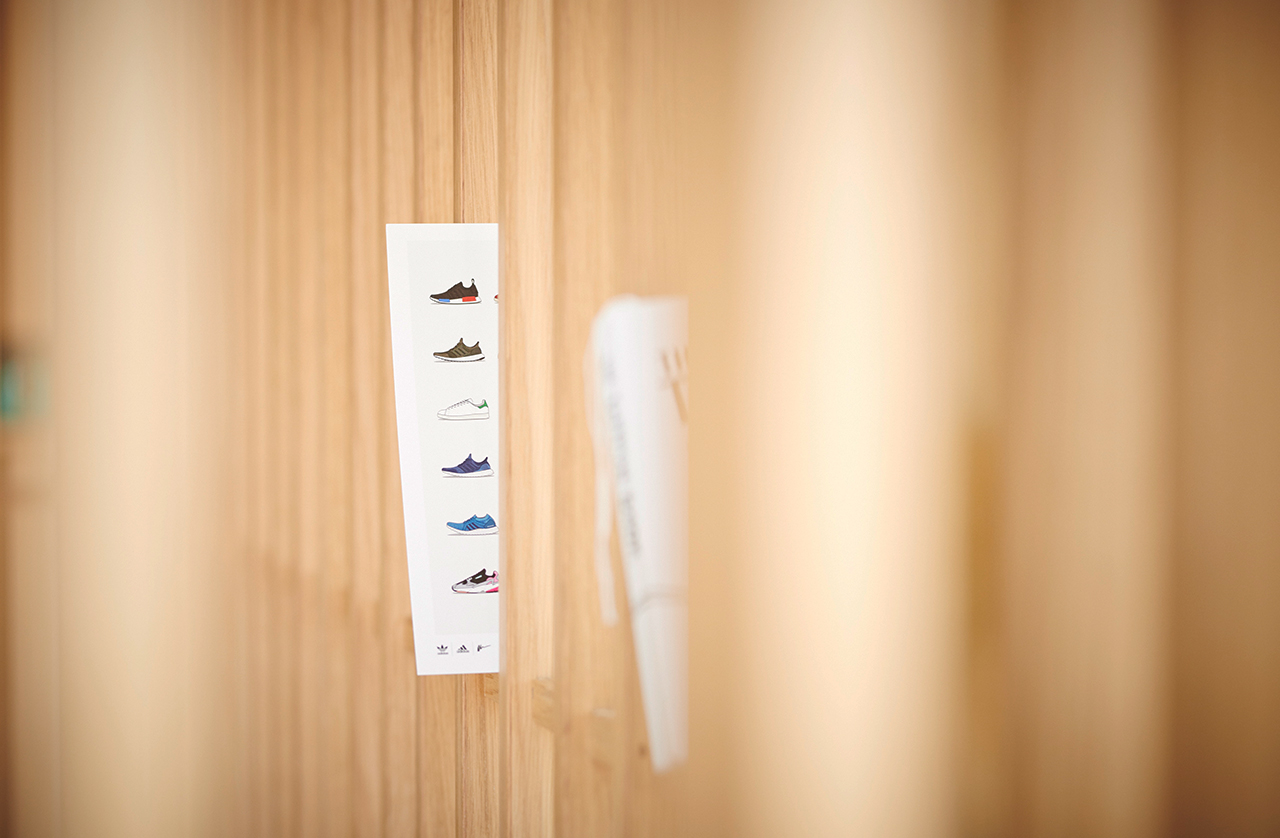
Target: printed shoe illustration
point(475, 525)
point(465, 409)
point(461, 352)
point(481, 583)
point(459, 294)
point(469, 468)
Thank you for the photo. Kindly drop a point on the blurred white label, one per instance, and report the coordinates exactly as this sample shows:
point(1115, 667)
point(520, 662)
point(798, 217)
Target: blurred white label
point(637, 385)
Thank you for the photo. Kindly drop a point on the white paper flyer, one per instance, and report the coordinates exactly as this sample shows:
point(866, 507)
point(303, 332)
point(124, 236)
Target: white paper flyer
point(443, 281)
point(638, 397)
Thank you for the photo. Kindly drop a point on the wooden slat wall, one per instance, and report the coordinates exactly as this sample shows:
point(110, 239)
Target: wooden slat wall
point(1083, 522)
point(362, 113)
point(349, 125)
point(436, 751)
point(335, 117)
point(476, 201)
point(528, 723)
point(419, 110)
point(1075, 208)
point(1226, 583)
point(31, 805)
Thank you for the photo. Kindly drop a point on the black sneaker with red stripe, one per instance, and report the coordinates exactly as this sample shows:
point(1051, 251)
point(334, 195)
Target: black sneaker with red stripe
point(459, 294)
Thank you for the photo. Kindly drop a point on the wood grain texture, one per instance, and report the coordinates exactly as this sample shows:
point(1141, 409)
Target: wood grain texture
point(284, 676)
point(350, 114)
point(476, 200)
point(258, 480)
point(476, 102)
point(1084, 536)
point(367, 283)
point(308, 363)
point(589, 671)
point(649, 191)
point(399, 166)
point(1226, 584)
point(526, 771)
point(335, 701)
point(240, 613)
point(437, 698)
point(30, 569)
point(567, 122)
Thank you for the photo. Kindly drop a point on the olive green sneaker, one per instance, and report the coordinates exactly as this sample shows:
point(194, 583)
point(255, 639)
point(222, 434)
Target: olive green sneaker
point(461, 352)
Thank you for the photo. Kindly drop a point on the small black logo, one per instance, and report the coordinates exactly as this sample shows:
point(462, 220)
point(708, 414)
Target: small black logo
point(463, 649)
point(442, 650)
point(480, 646)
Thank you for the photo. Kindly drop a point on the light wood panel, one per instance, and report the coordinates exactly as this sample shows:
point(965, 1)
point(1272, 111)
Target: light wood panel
point(476, 201)
point(400, 124)
point(256, 354)
point(1085, 518)
point(437, 750)
point(31, 591)
point(527, 741)
point(309, 363)
point(369, 112)
point(975, 247)
point(587, 684)
point(357, 126)
point(1226, 588)
point(345, 115)
point(334, 137)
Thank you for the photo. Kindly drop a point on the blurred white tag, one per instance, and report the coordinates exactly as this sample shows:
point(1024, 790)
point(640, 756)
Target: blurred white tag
point(637, 390)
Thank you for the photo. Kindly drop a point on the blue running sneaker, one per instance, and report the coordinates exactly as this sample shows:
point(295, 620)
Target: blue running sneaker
point(469, 468)
point(475, 525)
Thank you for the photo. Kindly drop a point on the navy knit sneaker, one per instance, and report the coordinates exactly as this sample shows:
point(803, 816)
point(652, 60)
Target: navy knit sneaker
point(469, 468)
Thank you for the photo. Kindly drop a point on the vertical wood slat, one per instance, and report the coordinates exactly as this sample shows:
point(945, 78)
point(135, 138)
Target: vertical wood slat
point(309, 434)
point(333, 155)
point(527, 747)
point(284, 456)
point(366, 290)
point(437, 698)
point(352, 117)
point(233, 96)
point(476, 200)
point(589, 678)
point(30, 571)
point(476, 101)
point(258, 481)
point(1225, 748)
point(646, 196)
point(327, 702)
point(399, 165)
point(336, 264)
point(1083, 518)
point(440, 163)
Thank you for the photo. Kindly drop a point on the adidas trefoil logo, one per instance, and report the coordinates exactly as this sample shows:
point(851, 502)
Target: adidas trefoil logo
point(442, 650)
